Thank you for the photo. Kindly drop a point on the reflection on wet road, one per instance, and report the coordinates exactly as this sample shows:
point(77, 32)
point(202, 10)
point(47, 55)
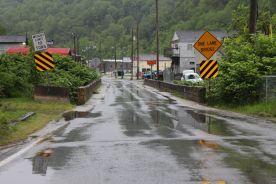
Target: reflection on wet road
point(136, 136)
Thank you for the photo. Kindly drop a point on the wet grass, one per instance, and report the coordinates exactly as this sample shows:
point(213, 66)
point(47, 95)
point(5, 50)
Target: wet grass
point(261, 109)
point(11, 109)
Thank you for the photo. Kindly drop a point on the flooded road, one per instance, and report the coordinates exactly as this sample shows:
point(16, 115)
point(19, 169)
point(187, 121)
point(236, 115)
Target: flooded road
point(134, 136)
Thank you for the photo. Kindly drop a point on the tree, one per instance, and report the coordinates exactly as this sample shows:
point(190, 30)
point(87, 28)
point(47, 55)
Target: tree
point(2, 30)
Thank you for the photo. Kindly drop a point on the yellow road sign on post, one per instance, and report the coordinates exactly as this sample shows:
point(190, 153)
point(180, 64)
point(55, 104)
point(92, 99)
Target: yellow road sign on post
point(209, 69)
point(207, 45)
point(44, 61)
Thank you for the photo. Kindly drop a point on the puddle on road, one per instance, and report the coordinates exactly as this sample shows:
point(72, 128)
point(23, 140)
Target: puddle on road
point(41, 161)
point(137, 123)
point(68, 116)
point(206, 123)
point(134, 124)
point(165, 119)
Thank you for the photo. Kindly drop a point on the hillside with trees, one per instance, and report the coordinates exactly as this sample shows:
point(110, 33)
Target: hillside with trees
point(111, 21)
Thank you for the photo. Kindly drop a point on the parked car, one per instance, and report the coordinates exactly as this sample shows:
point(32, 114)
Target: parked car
point(147, 75)
point(155, 75)
point(190, 75)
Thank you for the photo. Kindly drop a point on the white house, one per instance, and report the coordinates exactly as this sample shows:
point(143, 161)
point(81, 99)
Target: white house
point(183, 54)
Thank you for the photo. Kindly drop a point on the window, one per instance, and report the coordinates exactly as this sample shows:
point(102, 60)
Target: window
point(189, 46)
point(191, 76)
point(192, 63)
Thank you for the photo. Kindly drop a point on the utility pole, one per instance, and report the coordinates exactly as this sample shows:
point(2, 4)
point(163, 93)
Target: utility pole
point(74, 40)
point(100, 52)
point(137, 36)
point(253, 16)
point(157, 37)
point(115, 61)
point(132, 52)
point(78, 46)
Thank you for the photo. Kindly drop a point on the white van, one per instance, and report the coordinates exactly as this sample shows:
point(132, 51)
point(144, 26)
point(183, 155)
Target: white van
point(190, 75)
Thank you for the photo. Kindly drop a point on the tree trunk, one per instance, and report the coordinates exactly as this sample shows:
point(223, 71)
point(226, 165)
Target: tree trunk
point(253, 16)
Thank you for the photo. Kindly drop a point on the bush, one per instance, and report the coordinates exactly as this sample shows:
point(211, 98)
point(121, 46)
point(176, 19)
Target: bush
point(72, 75)
point(241, 67)
point(18, 75)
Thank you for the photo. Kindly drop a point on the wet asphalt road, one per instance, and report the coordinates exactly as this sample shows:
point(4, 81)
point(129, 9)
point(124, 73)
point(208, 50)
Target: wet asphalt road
point(133, 136)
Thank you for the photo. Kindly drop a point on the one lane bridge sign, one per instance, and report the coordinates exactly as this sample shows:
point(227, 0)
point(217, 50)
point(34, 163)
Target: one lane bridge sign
point(39, 42)
point(44, 61)
point(207, 45)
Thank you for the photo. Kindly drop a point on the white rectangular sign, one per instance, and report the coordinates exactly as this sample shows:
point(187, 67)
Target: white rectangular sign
point(39, 42)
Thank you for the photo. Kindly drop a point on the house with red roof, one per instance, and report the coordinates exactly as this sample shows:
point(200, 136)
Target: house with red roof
point(18, 50)
point(60, 51)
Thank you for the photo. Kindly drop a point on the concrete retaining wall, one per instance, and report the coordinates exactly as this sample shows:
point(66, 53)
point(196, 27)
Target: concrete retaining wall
point(51, 93)
point(62, 94)
point(85, 92)
point(196, 94)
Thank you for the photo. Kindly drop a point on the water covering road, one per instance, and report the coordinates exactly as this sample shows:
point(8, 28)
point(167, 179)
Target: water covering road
point(134, 136)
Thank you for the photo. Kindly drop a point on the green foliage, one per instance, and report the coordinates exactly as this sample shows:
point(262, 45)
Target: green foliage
point(111, 20)
point(4, 128)
point(2, 30)
point(71, 74)
point(240, 19)
point(245, 60)
point(18, 75)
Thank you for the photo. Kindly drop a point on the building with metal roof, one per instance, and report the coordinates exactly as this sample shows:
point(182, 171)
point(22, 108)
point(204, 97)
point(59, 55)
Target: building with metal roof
point(12, 41)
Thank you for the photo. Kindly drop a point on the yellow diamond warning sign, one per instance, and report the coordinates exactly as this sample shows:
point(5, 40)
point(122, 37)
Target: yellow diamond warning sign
point(207, 45)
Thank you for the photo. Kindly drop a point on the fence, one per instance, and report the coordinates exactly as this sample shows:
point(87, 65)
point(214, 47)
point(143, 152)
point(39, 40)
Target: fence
point(268, 90)
point(168, 75)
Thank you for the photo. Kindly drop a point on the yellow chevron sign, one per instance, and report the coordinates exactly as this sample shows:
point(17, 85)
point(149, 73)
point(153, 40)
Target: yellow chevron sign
point(44, 61)
point(209, 69)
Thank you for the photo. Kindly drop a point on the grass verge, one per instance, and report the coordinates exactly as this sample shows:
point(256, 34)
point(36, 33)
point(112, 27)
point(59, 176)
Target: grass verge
point(261, 109)
point(11, 109)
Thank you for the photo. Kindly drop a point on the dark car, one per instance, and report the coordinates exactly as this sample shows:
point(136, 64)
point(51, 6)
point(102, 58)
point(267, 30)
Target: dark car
point(160, 75)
